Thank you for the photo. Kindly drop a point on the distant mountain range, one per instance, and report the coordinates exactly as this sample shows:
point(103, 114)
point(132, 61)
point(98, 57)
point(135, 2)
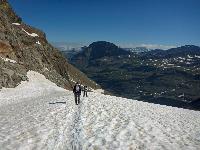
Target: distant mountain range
point(67, 46)
point(182, 51)
point(170, 77)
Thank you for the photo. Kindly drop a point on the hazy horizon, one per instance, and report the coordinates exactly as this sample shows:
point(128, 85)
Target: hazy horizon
point(122, 45)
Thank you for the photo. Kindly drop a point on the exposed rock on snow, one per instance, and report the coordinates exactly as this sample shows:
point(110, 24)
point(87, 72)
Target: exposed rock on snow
point(39, 115)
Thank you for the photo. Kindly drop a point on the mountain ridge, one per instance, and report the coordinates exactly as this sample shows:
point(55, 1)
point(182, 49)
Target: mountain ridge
point(29, 49)
point(97, 50)
point(173, 52)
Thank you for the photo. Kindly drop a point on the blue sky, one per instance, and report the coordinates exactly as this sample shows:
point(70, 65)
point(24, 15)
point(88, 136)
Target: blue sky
point(160, 22)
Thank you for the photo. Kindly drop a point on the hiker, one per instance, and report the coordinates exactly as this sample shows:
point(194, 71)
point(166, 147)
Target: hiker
point(85, 90)
point(77, 92)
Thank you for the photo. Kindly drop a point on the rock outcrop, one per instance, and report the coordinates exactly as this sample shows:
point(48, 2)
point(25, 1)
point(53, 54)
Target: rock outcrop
point(24, 48)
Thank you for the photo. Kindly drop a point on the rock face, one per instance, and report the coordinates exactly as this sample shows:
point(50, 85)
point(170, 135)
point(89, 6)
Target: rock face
point(24, 48)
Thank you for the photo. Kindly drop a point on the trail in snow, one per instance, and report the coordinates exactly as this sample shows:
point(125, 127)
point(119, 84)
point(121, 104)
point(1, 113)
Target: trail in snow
point(49, 119)
point(76, 130)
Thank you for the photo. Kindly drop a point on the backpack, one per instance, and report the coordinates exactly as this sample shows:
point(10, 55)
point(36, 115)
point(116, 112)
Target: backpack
point(85, 88)
point(77, 88)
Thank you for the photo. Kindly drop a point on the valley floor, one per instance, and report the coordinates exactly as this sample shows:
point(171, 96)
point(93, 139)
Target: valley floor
point(47, 118)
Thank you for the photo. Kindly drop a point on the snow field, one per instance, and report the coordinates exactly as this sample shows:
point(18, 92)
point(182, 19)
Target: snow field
point(35, 124)
point(39, 115)
point(121, 124)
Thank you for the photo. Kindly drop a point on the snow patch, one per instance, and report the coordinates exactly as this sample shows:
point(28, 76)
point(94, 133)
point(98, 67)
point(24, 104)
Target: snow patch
point(189, 59)
point(170, 64)
point(181, 95)
point(181, 61)
point(38, 42)
point(17, 24)
point(36, 85)
point(30, 34)
point(189, 56)
point(46, 69)
point(8, 60)
point(188, 63)
point(197, 56)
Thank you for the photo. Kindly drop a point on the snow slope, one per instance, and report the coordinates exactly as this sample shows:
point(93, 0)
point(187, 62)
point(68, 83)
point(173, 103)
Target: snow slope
point(39, 115)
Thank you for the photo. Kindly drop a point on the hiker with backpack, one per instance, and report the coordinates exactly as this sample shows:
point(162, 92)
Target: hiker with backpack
point(85, 90)
point(77, 92)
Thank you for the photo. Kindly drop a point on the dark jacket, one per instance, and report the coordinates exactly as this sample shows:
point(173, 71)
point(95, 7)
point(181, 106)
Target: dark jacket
point(85, 88)
point(75, 91)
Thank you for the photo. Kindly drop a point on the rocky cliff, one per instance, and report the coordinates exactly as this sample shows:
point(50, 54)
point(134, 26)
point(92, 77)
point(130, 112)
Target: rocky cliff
point(24, 48)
